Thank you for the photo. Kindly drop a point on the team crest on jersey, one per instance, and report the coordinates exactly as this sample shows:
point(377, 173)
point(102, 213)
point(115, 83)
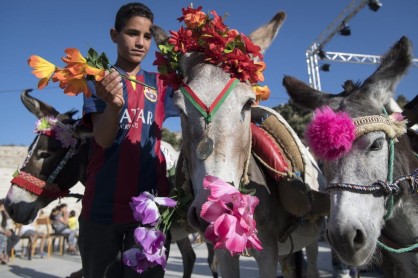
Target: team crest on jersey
point(150, 94)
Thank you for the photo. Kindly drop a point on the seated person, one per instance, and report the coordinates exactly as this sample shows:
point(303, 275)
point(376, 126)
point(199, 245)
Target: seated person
point(31, 232)
point(5, 233)
point(73, 222)
point(59, 221)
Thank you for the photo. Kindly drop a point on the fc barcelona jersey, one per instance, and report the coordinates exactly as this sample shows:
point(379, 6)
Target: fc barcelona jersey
point(134, 162)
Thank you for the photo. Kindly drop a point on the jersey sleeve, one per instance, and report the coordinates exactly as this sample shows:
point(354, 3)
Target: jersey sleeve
point(92, 104)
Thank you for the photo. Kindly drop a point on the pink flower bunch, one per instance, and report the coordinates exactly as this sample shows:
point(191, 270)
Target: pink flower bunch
point(150, 240)
point(231, 217)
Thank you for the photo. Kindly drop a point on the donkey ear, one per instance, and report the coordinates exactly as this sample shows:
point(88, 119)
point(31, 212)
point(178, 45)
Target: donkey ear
point(394, 65)
point(159, 34)
point(37, 107)
point(304, 95)
point(82, 131)
point(265, 34)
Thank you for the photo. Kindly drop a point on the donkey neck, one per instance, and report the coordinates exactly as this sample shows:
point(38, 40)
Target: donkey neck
point(402, 228)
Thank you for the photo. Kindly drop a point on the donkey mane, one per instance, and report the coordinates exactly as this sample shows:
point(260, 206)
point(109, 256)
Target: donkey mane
point(349, 86)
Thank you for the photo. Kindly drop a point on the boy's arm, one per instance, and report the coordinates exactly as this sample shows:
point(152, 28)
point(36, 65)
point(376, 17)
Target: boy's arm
point(105, 125)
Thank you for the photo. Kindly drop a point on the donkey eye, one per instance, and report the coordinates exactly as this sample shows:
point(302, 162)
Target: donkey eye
point(377, 145)
point(44, 154)
point(248, 104)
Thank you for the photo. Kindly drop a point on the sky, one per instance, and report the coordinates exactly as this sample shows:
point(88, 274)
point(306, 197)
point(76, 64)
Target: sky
point(47, 27)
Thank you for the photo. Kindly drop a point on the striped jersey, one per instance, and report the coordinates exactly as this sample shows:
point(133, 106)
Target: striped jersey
point(134, 162)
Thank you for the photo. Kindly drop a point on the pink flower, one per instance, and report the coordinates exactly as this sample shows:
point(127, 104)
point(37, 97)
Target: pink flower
point(396, 117)
point(145, 207)
point(330, 134)
point(231, 217)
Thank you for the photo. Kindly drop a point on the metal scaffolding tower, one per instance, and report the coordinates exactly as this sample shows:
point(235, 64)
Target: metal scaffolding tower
point(315, 51)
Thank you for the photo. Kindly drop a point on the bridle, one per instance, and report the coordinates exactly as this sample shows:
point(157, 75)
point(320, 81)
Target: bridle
point(380, 186)
point(48, 188)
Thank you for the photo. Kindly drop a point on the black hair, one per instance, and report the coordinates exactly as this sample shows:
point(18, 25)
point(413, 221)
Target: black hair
point(130, 10)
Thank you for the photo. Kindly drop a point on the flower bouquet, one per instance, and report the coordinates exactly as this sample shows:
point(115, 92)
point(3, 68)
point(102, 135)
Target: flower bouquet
point(230, 214)
point(78, 70)
point(149, 236)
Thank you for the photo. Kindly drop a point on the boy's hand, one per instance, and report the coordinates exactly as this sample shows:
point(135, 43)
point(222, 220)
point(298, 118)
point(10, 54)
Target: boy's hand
point(110, 89)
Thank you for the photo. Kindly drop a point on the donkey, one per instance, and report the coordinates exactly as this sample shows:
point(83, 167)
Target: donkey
point(373, 178)
point(50, 171)
point(231, 157)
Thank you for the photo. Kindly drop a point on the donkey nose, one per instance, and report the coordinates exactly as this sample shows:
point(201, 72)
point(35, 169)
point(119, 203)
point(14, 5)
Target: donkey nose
point(352, 236)
point(357, 238)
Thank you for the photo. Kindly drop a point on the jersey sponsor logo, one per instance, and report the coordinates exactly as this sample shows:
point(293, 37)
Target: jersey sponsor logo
point(131, 117)
point(150, 94)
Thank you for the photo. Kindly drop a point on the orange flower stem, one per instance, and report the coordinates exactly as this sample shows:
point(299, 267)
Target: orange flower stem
point(131, 79)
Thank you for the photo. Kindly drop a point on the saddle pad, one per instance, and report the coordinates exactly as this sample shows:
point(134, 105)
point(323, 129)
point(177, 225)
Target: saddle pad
point(266, 147)
point(298, 158)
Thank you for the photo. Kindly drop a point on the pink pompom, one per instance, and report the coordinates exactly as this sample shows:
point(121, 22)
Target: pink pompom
point(330, 135)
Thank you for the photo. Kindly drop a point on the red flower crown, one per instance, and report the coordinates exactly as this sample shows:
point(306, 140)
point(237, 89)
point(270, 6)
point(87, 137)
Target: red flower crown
point(222, 46)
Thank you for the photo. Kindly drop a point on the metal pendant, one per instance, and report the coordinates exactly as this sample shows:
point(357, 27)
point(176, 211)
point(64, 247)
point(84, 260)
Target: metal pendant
point(204, 148)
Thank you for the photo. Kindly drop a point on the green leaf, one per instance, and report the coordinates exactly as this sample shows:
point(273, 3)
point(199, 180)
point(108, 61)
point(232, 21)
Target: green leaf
point(250, 191)
point(92, 54)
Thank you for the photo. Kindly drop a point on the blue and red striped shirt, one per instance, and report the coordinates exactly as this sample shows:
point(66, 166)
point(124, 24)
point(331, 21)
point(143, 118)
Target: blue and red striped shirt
point(134, 162)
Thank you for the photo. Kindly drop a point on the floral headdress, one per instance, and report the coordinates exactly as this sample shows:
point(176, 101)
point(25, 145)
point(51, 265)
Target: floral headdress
point(51, 127)
point(222, 46)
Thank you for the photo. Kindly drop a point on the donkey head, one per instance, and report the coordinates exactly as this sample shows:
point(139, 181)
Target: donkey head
point(52, 166)
point(219, 147)
point(356, 219)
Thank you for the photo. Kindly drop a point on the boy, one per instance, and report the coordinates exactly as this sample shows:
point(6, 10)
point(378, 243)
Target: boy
point(125, 155)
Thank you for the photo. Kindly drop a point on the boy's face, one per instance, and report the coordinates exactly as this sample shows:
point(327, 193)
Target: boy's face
point(134, 40)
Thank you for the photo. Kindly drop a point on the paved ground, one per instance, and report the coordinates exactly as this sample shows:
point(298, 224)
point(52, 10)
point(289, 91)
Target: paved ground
point(61, 266)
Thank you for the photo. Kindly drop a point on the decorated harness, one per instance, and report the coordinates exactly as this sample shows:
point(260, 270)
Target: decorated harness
point(64, 133)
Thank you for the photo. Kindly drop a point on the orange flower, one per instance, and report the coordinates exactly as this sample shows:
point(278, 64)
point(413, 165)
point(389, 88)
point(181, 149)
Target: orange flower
point(261, 92)
point(73, 57)
point(42, 69)
point(98, 74)
point(76, 86)
point(72, 84)
point(195, 19)
point(73, 77)
point(79, 67)
point(261, 67)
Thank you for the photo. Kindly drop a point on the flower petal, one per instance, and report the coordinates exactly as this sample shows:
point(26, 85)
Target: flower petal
point(218, 187)
point(165, 201)
point(213, 210)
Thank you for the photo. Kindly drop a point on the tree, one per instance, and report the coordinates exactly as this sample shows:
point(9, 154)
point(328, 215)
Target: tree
point(296, 116)
point(401, 100)
point(172, 137)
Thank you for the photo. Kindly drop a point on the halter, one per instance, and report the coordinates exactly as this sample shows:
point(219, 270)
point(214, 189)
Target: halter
point(47, 188)
point(388, 188)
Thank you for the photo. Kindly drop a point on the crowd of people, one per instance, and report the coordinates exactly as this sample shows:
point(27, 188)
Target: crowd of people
point(62, 222)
